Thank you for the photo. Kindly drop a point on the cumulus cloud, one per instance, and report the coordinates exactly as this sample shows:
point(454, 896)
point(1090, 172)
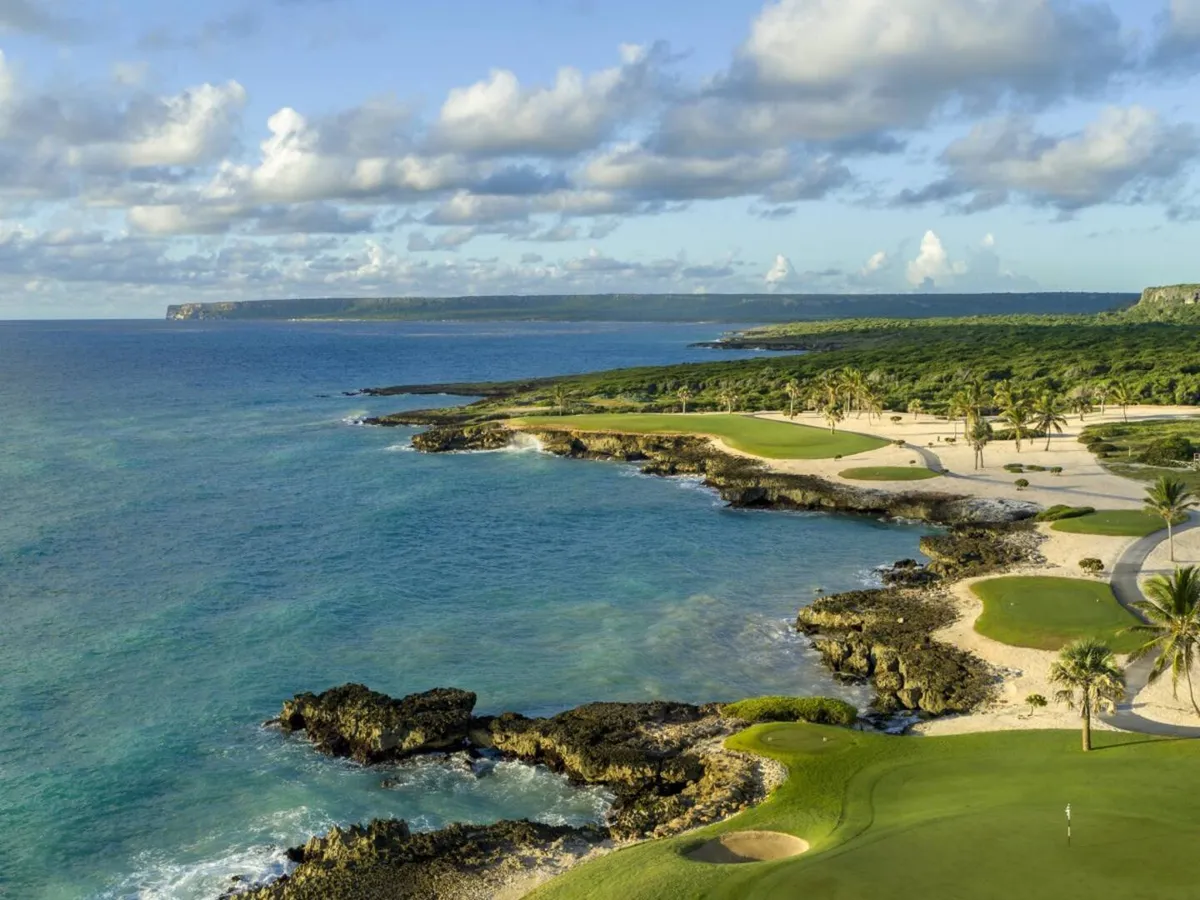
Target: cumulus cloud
point(499, 116)
point(935, 269)
point(1123, 156)
point(932, 267)
point(653, 176)
point(780, 274)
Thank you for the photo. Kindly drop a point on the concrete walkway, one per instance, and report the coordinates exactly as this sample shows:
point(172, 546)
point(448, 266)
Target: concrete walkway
point(1137, 675)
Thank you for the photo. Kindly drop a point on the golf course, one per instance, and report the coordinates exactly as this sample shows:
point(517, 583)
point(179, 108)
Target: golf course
point(951, 818)
point(762, 437)
point(1112, 523)
point(1048, 613)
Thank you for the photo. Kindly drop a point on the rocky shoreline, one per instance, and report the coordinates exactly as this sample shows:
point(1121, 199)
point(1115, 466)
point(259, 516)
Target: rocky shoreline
point(741, 482)
point(666, 765)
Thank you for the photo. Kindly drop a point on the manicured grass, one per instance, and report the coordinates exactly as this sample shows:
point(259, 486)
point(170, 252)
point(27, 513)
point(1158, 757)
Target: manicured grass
point(1112, 523)
point(971, 817)
point(762, 437)
point(889, 473)
point(1049, 613)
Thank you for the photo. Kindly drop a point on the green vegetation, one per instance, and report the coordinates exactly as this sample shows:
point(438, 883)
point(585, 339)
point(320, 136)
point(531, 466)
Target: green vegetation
point(1059, 512)
point(889, 473)
point(1172, 611)
point(762, 437)
point(971, 817)
point(817, 710)
point(1170, 499)
point(1147, 450)
point(1048, 613)
point(1111, 523)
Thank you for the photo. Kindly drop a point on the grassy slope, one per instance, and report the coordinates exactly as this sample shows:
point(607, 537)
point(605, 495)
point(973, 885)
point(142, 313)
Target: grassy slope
point(762, 437)
point(1049, 613)
point(967, 817)
point(1132, 439)
point(889, 473)
point(1112, 523)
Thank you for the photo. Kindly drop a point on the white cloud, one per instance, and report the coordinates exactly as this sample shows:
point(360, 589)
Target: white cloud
point(1185, 18)
point(654, 176)
point(780, 274)
point(499, 116)
point(933, 267)
point(878, 261)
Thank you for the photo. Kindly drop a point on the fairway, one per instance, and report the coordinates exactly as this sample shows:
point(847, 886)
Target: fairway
point(971, 817)
point(1049, 613)
point(889, 473)
point(1112, 523)
point(762, 437)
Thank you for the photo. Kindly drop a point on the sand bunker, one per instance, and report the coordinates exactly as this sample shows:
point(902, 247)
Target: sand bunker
point(749, 846)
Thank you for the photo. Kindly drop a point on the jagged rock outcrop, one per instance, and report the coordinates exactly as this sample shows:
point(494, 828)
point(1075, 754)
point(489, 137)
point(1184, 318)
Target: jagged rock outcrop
point(643, 752)
point(741, 482)
point(968, 551)
point(884, 636)
point(370, 727)
point(1171, 295)
point(386, 861)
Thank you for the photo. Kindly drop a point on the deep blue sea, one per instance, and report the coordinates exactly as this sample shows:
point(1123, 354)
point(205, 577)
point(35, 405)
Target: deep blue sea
point(192, 530)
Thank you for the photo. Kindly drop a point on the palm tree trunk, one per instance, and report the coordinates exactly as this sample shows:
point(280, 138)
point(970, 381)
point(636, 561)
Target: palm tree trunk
point(1171, 537)
point(1125, 412)
point(1047, 441)
point(1191, 693)
point(1087, 726)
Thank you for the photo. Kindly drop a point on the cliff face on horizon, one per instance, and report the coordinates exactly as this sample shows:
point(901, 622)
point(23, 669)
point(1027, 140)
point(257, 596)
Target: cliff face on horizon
point(722, 308)
point(1171, 295)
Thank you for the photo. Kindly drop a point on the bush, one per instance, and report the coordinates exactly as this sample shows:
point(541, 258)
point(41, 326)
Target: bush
point(899, 443)
point(1035, 468)
point(1168, 450)
point(1056, 470)
point(1102, 447)
point(896, 420)
point(817, 710)
point(1056, 513)
point(1091, 565)
point(1021, 483)
point(1015, 468)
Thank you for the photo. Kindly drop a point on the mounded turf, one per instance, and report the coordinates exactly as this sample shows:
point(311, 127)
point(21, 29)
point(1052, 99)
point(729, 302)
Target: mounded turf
point(971, 817)
point(762, 437)
point(1049, 613)
point(1112, 523)
point(889, 473)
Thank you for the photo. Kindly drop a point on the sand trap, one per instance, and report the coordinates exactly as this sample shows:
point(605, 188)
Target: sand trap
point(749, 846)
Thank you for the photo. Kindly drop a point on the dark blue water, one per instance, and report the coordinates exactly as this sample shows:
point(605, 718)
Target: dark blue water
point(191, 532)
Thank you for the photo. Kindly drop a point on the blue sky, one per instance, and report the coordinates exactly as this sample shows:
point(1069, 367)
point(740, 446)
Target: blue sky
point(162, 152)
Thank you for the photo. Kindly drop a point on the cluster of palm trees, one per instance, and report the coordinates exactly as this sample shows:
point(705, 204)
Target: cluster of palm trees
point(1087, 671)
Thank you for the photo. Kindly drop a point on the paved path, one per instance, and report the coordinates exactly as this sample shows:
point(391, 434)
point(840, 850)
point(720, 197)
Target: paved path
point(1125, 588)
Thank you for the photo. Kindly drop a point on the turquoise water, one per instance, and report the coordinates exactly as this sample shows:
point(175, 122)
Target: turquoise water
point(191, 531)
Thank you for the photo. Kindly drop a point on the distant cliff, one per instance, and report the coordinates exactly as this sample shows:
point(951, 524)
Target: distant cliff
point(725, 308)
point(1176, 294)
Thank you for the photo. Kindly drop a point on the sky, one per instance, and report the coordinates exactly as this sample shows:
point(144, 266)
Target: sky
point(155, 153)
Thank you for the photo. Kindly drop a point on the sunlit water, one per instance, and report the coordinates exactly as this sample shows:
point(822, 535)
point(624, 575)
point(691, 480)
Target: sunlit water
point(191, 532)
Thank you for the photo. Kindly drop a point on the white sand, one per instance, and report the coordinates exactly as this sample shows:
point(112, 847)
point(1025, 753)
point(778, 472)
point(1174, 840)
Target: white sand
point(749, 846)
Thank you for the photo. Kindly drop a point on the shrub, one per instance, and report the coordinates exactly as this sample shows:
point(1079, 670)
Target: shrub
point(1055, 513)
point(1091, 565)
point(1021, 483)
point(1035, 468)
point(896, 420)
point(1102, 447)
point(951, 440)
point(1056, 470)
point(839, 456)
point(1168, 450)
point(817, 710)
point(899, 443)
point(1015, 468)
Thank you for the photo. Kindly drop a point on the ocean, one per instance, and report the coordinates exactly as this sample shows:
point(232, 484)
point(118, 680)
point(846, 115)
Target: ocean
point(193, 528)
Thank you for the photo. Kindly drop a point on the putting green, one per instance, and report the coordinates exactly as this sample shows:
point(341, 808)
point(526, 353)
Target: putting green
point(1112, 523)
point(768, 438)
point(1049, 613)
point(971, 817)
point(889, 473)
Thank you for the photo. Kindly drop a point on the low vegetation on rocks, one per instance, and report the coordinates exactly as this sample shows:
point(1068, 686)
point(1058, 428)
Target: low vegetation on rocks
point(817, 710)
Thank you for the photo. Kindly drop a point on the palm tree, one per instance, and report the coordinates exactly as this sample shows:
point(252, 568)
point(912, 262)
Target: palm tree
point(959, 408)
point(979, 434)
point(1120, 394)
point(833, 414)
point(794, 392)
point(1170, 499)
point(1091, 680)
point(728, 397)
point(1017, 416)
point(1048, 414)
point(872, 403)
point(1102, 391)
point(1081, 401)
point(828, 389)
point(561, 398)
point(1173, 610)
point(853, 386)
point(684, 394)
point(915, 408)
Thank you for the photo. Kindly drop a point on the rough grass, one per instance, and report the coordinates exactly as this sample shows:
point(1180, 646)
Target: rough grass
point(819, 710)
point(1112, 523)
point(1131, 440)
point(971, 817)
point(889, 473)
point(1049, 613)
point(762, 437)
